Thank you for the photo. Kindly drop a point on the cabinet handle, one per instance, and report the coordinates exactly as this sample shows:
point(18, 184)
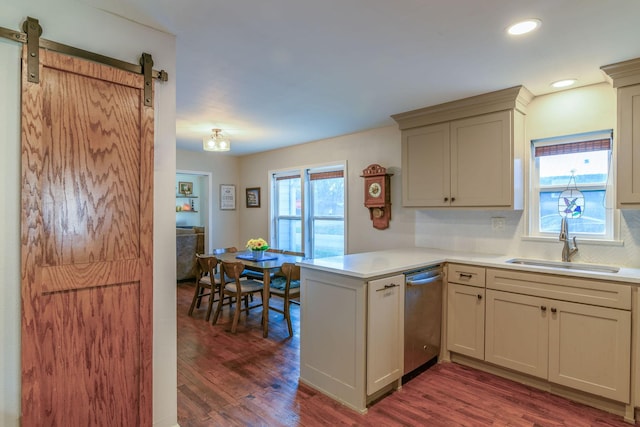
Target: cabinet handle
point(465, 275)
point(393, 285)
point(553, 309)
point(453, 199)
point(479, 296)
point(543, 307)
point(446, 199)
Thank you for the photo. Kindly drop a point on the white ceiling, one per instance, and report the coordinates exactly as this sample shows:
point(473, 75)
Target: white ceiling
point(282, 72)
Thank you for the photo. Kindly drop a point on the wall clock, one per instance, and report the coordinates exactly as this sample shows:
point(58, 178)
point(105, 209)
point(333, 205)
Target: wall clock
point(377, 195)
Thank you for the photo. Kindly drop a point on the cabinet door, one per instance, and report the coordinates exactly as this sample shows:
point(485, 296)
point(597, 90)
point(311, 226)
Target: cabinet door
point(589, 349)
point(465, 320)
point(628, 147)
point(425, 166)
point(517, 332)
point(482, 160)
point(384, 332)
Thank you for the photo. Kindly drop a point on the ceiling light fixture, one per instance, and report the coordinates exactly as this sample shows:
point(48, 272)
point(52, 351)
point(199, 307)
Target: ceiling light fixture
point(524, 27)
point(563, 83)
point(216, 141)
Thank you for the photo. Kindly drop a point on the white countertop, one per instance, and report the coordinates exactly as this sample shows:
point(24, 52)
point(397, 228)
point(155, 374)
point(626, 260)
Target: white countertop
point(367, 265)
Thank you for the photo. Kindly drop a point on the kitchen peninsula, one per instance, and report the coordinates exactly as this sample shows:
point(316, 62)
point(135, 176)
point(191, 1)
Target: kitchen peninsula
point(349, 348)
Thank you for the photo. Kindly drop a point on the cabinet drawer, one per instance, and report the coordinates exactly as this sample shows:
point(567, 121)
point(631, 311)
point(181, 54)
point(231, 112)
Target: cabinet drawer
point(466, 275)
point(572, 289)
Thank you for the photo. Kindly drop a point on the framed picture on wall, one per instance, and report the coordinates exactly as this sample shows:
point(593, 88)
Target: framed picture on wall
point(185, 188)
point(253, 197)
point(227, 197)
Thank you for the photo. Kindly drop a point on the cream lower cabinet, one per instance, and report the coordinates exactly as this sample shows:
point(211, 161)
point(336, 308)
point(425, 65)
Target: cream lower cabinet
point(351, 334)
point(517, 332)
point(466, 310)
point(384, 332)
point(578, 345)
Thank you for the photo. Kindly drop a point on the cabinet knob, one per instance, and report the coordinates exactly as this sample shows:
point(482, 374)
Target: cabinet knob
point(453, 199)
point(479, 296)
point(553, 309)
point(446, 199)
point(543, 307)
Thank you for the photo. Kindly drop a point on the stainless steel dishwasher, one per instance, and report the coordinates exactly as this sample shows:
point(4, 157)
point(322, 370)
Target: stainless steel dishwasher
point(422, 316)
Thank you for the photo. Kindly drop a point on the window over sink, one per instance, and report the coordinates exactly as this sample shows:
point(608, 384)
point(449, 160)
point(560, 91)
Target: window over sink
point(581, 161)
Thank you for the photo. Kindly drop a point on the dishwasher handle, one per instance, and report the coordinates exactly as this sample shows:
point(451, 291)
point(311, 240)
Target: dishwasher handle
point(426, 281)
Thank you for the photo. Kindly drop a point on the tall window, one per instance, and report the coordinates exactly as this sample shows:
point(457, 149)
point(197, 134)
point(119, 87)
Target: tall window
point(580, 161)
point(308, 211)
point(326, 213)
point(288, 211)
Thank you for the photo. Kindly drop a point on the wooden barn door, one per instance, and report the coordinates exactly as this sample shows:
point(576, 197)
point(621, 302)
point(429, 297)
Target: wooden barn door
point(87, 224)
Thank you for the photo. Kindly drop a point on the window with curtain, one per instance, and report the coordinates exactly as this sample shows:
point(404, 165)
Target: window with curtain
point(581, 161)
point(309, 210)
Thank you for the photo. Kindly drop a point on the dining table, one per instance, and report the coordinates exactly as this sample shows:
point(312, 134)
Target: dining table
point(271, 262)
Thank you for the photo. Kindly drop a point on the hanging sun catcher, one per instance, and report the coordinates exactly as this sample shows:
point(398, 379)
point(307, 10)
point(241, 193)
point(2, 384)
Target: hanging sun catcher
point(571, 200)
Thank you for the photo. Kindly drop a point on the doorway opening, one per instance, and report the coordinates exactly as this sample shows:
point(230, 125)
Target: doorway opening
point(194, 202)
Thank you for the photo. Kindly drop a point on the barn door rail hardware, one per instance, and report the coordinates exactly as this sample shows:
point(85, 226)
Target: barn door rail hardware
point(31, 32)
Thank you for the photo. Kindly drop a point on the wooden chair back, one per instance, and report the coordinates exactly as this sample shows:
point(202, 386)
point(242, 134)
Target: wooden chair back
point(207, 265)
point(294, 253)
point(291, 272)
point(231, 249)
point(205, 279)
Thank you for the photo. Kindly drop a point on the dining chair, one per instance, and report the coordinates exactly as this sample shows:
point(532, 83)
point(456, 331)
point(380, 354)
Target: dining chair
point(239, 289)
point(205, 280)
point(286, 285)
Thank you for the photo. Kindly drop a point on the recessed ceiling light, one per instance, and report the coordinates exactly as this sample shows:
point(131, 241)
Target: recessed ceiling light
point(524, 27)
point(563, 83)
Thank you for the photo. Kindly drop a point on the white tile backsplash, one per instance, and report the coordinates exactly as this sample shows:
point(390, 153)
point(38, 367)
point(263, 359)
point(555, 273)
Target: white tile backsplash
point(470, 230)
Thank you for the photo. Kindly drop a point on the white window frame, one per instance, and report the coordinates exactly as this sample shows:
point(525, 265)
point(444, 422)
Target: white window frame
point(611, 234)
point(305, 209)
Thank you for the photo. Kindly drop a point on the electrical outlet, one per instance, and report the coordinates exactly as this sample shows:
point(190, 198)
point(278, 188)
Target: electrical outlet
point(497, 223)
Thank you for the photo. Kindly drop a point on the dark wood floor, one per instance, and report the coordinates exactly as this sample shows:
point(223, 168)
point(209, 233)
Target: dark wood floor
point(246, 380)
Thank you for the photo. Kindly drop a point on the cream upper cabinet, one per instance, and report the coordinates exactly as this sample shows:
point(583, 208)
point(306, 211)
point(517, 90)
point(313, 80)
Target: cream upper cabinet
point(385, 332)
point(626, 78)
point(628, 182)
point(466, 310)
point(467, 153)
point(482, 172)
point(426, 166)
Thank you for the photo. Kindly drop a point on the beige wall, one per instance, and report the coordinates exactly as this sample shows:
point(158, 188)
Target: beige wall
point(224, 169)
point(359, 150)
point(76, 24)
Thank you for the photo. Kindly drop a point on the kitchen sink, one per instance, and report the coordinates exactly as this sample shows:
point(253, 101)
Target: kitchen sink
point(565, 265)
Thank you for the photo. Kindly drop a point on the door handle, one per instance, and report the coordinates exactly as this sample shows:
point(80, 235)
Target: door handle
point(387, 287)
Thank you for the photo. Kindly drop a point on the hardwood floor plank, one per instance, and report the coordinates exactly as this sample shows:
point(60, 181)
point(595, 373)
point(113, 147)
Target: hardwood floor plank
point(247, 380)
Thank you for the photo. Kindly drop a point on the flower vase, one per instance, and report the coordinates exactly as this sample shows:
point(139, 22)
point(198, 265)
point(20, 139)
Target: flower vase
point(258, 255)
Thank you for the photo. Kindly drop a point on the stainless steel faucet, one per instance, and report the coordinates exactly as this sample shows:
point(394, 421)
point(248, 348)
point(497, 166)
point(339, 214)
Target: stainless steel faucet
point(567, 249)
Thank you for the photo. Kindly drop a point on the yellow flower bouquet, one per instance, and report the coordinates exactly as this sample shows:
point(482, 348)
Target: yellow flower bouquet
point(257, 244)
